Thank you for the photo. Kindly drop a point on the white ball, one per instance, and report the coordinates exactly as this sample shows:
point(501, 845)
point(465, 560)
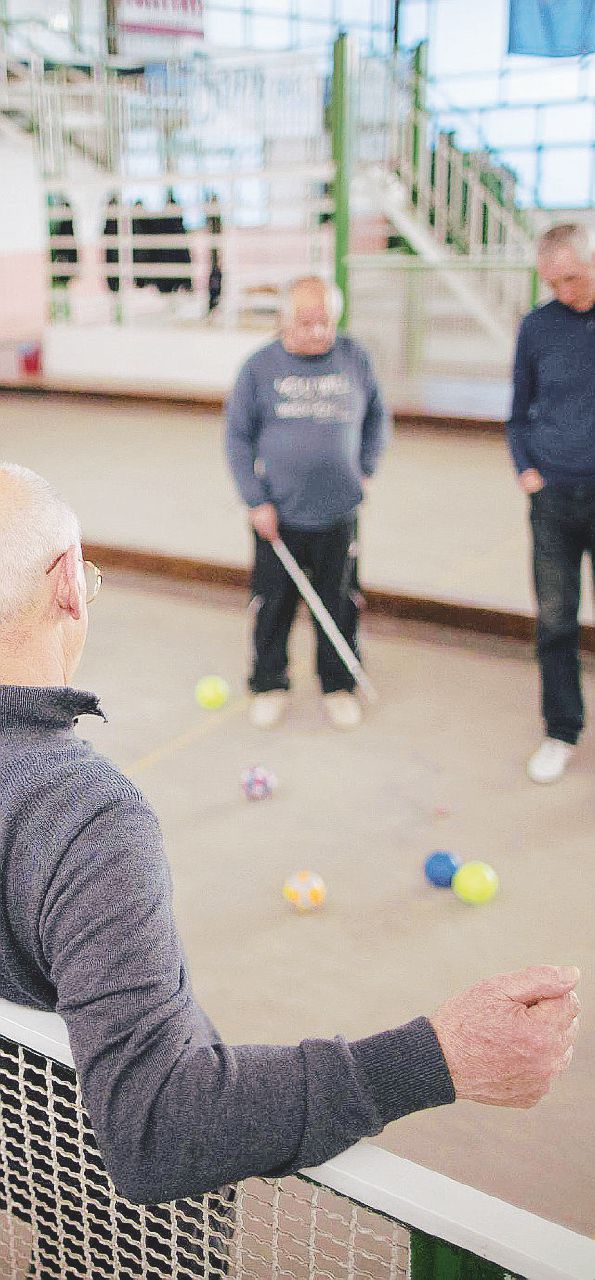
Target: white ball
point(305, 891)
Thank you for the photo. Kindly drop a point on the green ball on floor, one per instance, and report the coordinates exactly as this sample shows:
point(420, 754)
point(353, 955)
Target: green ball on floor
point(211, 693)
point(475, 883)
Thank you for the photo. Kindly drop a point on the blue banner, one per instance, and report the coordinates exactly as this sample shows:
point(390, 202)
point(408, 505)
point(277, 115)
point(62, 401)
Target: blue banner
point(552, 28)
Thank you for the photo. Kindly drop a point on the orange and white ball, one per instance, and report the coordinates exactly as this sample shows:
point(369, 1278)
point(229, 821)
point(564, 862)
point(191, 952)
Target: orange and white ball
point(305, 891)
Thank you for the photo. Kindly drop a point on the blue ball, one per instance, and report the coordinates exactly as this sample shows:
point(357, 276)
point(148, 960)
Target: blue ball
point(440, 868)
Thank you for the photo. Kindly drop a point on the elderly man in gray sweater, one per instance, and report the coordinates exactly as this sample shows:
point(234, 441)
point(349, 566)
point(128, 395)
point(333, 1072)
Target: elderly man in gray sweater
point(87, 929)
point(306, 427)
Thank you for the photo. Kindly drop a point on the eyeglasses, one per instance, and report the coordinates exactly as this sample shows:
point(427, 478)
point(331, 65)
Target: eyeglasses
point(93, 576)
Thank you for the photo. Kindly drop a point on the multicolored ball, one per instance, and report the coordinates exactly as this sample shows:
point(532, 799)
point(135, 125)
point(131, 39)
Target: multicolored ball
point(305, 891)
point(258, 783)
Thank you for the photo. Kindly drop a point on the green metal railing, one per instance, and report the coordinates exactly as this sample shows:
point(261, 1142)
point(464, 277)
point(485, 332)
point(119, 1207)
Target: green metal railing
point(341, 124)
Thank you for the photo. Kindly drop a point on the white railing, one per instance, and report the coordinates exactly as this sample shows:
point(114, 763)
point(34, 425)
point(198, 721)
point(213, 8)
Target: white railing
point(447, 190)
point(221, 117)
point(227, 115)
point(128, 254)
point(357, 1216)
point(257, 129)
point(424, 319)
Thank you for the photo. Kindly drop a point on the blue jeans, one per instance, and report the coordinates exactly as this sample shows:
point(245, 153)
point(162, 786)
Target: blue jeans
point(563, 523)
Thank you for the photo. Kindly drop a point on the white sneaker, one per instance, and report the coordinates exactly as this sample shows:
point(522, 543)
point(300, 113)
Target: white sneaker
point(266, 709)
point(548, 763)
point(343, 709)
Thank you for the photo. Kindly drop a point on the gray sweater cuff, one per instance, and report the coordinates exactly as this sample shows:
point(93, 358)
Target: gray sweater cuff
point(406, 1070)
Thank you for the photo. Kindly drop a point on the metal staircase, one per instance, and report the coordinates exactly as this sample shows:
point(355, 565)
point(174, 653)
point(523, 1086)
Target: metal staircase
point(453, 210)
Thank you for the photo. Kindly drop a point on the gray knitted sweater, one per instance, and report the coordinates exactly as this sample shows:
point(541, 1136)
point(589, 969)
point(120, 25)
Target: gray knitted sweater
point(86, 929)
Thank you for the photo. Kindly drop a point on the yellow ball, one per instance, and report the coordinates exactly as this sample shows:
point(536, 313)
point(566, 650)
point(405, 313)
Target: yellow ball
point(305, 891)
point(211, 693)
point(475, 883)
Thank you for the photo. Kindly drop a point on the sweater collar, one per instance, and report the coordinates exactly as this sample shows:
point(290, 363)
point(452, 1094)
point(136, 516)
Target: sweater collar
point(24, 707)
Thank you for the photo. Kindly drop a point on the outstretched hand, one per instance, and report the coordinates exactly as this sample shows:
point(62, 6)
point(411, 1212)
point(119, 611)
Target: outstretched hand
point(507, 1038)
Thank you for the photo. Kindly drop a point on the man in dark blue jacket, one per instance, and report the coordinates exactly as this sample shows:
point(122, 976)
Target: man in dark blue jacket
point(552, 438)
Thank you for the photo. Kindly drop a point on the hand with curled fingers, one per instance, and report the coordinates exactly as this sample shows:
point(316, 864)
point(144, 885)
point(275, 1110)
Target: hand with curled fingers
point(531, 480)
point(264, 521)
point(507, 1038)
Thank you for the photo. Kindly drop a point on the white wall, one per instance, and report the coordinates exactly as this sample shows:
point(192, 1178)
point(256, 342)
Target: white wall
point(21, 207)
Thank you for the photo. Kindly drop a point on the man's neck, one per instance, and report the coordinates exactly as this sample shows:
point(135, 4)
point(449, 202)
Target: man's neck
point(34, 665)
point(305, 355)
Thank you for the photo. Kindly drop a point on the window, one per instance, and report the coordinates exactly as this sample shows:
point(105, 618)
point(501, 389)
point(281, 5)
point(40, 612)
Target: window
point(269, 33)
point(466, 36)
point(510, 127)
point(315, 35)
point(413, 22)
point(466, 90)
point(542, 82)
point(381, 39)
point(566, 176)
point(322, 9)
point(225, 28)
point(349, 12)
point(524, 165)
point(383, 14)
point(566, 121)
point(281, 8)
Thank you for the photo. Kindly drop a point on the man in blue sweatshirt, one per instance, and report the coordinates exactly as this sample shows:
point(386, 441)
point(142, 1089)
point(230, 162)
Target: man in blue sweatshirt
point(87, 929)
point(552, 438)
point(306, 427)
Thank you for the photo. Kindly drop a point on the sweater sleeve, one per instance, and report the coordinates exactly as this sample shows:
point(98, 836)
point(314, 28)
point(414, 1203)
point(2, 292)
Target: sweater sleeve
point(177, 1113)
point(524, 386)
point(375, 424)
point(241, 438)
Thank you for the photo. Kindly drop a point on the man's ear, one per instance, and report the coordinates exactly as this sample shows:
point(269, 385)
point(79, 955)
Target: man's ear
point(69, 590)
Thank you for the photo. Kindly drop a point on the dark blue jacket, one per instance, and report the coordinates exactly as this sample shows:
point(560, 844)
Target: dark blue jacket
point(552, 424)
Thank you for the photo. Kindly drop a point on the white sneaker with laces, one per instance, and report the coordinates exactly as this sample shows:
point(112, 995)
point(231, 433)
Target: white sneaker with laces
point(343, 709)
point(266, 709)
point(548, 763)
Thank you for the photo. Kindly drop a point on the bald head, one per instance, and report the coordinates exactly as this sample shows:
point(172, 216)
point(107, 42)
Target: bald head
point(310, 313)
point(566, 265)
point(35, 527)
point(565, 235)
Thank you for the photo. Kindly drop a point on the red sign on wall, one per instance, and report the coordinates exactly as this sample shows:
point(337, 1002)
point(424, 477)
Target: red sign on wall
point(162, 17)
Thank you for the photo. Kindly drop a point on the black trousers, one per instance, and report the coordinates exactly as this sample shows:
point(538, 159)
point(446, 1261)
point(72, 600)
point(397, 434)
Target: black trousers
point(329, 557)
point(563, 525)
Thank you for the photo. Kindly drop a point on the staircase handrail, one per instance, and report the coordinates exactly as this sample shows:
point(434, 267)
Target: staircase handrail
point(445, 186)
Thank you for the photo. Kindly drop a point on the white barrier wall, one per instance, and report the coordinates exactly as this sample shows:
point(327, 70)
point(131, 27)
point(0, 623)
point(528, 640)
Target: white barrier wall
point(183, 361)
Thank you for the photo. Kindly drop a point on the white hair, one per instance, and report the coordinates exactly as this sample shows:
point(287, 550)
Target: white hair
point(575, 235)
point(35, 527)
point(333, 293)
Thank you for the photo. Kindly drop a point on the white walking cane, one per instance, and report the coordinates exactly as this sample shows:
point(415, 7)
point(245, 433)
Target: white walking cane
point(323, 616)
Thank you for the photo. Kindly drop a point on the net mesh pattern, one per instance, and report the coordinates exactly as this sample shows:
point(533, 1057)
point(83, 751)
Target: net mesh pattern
point(62, 1219)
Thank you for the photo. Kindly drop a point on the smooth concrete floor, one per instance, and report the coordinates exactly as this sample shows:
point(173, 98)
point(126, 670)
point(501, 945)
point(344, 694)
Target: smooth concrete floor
point(454, 725)
point(444, 517)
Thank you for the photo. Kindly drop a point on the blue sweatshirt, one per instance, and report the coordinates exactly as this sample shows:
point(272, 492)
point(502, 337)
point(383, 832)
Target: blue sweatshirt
point(87, 929)
point(552, 424)
point(303, 430)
